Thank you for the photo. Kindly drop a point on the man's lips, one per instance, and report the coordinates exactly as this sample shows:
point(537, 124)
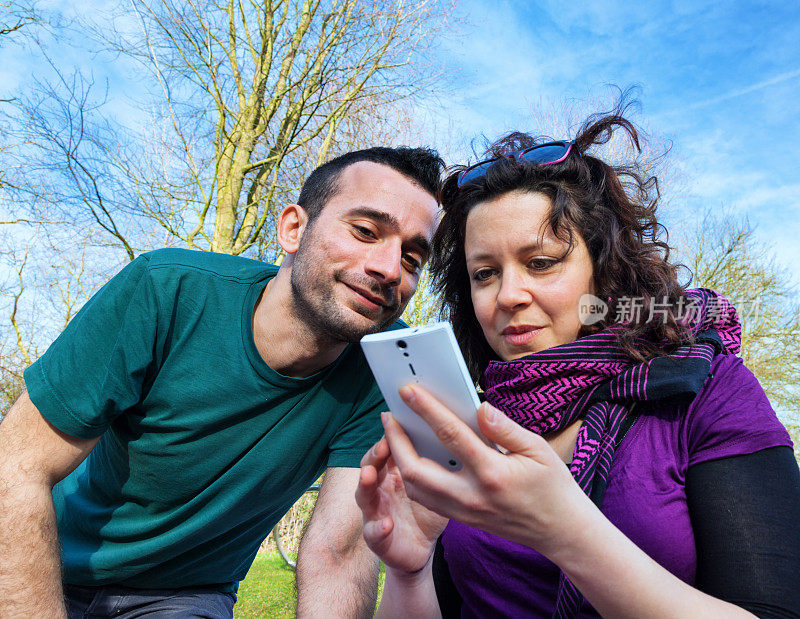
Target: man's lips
point(519, 335)
point(369, 298)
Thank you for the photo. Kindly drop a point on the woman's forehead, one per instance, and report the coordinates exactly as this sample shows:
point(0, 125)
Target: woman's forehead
point(519, 206)
point(519, 217)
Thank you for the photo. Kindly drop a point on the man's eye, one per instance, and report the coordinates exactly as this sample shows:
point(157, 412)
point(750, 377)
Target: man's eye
point(365, 232)
point(411, 263)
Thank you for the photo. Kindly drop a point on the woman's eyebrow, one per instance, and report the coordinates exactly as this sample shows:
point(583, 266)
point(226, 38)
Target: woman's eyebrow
point(535, 246)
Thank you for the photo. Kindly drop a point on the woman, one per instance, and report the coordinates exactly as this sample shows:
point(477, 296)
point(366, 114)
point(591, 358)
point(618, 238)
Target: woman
point(643, 471)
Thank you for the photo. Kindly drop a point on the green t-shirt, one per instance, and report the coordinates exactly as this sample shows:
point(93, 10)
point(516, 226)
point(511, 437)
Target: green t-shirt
point(204, 446)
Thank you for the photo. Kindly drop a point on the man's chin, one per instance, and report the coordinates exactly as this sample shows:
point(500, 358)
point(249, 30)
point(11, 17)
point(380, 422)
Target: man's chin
point(361, 323)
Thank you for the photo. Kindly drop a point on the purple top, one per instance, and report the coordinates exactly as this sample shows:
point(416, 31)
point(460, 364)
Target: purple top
point(645, 497)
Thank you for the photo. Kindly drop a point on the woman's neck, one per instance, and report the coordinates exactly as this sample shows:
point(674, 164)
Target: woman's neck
point(563, 441)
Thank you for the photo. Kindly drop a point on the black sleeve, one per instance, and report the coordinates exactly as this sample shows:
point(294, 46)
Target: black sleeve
point(446, 593)
point(745, 512)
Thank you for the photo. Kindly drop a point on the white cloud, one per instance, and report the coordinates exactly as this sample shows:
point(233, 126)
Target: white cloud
point(738, 92)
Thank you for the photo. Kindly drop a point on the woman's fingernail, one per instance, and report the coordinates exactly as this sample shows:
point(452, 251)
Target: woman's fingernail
point(385, 417)
point(407, 393)
point(491, 413)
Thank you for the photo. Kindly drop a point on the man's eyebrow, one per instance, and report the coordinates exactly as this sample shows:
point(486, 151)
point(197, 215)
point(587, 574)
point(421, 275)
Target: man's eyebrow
point(423, 246)
point(380, 216)
point(391, 221)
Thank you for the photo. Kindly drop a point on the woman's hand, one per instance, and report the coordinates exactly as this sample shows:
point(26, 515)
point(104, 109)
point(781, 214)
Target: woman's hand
point(528, 495)
point(401, 532)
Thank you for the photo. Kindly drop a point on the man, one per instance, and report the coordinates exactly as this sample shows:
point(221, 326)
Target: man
point(197, 395)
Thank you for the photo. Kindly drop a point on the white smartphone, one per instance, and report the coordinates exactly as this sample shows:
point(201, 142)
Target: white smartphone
point(428, 356)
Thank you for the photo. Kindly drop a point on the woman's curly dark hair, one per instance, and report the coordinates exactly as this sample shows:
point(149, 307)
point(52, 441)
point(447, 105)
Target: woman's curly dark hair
point(612, 208)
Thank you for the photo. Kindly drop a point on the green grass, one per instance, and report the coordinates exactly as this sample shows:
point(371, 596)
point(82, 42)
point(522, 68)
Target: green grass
point(268, 590)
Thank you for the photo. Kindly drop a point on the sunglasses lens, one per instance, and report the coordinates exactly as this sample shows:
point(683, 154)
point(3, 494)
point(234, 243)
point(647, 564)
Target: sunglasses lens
point(546, 153)
point(474, 172)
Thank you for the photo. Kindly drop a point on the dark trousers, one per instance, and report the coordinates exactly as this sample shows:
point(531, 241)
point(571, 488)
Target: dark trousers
point(127, 603)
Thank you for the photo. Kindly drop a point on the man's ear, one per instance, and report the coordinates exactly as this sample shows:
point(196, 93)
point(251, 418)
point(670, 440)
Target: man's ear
point(291, 225)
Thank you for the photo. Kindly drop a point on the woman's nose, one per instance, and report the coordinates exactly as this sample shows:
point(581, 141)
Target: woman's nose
point(515, 292)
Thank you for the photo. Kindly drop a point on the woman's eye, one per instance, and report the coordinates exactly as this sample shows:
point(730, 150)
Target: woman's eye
point(482, 275)
point(541, 264)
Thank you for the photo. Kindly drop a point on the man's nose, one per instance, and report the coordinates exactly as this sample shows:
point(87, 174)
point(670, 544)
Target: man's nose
point(384, 263)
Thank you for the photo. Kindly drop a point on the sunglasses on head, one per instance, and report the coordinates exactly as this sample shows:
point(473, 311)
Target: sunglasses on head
point(541, 154)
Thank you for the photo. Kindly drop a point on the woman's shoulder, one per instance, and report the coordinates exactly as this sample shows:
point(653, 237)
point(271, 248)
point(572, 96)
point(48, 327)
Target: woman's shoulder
point(731, 415)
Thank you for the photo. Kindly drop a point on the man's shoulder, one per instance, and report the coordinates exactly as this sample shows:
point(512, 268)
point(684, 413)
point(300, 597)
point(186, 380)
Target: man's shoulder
point(398, 324)
point(355, 361)
point(358, 352)
point(216, 265)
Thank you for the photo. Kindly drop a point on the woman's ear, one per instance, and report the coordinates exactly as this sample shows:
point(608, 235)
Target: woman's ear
point(291, 225)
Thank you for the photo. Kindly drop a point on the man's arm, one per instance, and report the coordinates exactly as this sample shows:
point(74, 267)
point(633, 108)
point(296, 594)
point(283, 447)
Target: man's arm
point(34, 456)
point(337, 575)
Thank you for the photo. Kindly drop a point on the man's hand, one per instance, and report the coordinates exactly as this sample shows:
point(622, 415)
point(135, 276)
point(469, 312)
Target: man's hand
point(34, 456)
point(337, 575)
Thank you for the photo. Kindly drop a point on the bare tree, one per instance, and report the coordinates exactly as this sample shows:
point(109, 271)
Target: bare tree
point(15, 15)
point(16, 347)
point(37, 303)
point(794, 432)
point(560, 119)
point(723, 254)
point(70, 160)
point(241, 100)
point(424, 305)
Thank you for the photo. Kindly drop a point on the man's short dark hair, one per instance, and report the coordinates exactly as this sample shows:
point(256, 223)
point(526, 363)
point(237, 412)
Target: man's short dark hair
point(422, 166)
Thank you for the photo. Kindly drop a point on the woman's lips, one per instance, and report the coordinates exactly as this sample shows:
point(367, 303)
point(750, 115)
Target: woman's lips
point(521, 334)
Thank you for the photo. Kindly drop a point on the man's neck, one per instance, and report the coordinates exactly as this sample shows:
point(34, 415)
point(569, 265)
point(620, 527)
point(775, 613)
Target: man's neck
point(287, 343)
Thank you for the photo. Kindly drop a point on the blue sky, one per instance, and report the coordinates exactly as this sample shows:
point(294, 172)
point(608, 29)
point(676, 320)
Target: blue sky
point(720, 80)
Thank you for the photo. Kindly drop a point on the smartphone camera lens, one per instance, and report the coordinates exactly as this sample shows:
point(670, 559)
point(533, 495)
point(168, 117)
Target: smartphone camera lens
point(401, 344)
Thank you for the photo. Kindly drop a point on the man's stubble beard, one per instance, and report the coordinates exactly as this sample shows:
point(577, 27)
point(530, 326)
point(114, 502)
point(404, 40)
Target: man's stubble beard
point(314, 300)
